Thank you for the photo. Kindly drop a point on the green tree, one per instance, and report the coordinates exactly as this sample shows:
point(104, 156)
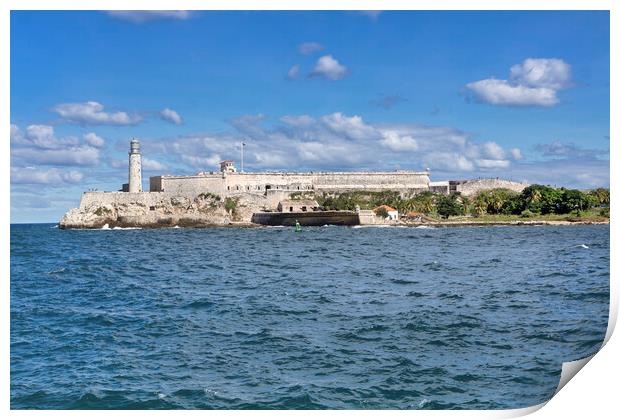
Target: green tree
point(449, 205)
point(573, 200)
point(541, 199)
point(599, 197)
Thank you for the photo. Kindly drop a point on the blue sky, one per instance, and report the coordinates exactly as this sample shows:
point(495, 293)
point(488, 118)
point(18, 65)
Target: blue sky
point(518, 95)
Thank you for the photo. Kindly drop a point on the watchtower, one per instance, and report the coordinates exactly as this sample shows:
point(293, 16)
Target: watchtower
point(135, 167)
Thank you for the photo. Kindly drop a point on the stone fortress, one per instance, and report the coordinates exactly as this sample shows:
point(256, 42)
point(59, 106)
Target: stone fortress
point(229, 196)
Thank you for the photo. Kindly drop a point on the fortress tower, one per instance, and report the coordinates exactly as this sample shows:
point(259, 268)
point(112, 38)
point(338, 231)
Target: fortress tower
point(135, 167)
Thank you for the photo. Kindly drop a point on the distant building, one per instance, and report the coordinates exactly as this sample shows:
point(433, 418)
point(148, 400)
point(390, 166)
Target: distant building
point(227, 166)
point(392, 213)
point(293, 206)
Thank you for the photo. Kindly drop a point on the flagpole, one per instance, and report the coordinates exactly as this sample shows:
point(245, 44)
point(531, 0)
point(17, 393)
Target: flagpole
point(242, 144)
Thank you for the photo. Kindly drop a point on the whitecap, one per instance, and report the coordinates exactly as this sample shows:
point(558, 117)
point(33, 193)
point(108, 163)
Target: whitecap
point(125, 228)
point(423, 402)
point(584, 246)
point(54, 227)
point(105, 227)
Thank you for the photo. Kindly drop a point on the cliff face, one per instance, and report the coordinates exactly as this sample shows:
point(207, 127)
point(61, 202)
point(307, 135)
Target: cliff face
point(157, 210)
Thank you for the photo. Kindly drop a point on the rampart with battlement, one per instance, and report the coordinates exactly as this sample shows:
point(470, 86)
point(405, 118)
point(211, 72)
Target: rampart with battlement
point(226, 184)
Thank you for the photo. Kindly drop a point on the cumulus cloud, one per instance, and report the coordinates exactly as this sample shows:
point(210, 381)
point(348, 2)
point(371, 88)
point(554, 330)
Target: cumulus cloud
point(352, 127)
point(557, 149)
point(297, 120)
point(329, 68)
point(516, 154)
point(394, 141)
point(92, 113)
point(338, 141)
point(39, 145)
point(94, 140)
point(171, 115)
point(492, 163)
point(141, 16)
point(308, 48)
point(293, 72)
point(202, 162)
point(535, 82)
point(493, 150)
point(152, 164)
point(550, 73)
point(30, 175)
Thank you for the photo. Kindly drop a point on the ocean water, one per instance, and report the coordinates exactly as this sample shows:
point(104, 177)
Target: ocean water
point(332, 317)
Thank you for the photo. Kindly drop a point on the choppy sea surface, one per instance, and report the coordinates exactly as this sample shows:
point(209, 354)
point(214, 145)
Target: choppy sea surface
point(331, 317)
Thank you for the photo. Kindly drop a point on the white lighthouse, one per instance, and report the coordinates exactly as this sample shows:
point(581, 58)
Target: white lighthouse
point(135, 167)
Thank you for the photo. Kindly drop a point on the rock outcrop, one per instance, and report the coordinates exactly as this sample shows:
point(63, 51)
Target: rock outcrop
point(150, 210)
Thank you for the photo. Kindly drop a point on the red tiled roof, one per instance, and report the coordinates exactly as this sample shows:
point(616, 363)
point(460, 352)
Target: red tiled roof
point(386, 207)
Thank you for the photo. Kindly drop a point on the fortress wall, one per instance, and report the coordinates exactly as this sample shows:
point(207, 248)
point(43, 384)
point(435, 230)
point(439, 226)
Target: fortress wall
point(234, 183)
point(192, 186)
point(114, 198)
point(372, 181)
point(468, 188)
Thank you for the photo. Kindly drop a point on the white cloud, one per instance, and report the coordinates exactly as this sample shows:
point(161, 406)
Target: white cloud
point(202, 162)
point(297, 120)
point(39, 145)
point(448, 161)
point(308, 48)
point(94, 140)
point(30, 175)
point(171, 115)
point(91, 113)
point(319, 152)
point(493, 150)
point(70, 156)
point(398, 143)
point(271, 160)
point(500, 92)
point(152, 164)
point(550, 73)
point(492, 163)
point(557, 149)
point(141, 16)
point(293, 72)
point(350, 127)
point(328, 67)
point(15, 133)
point(516, 154)
point(338, 141)
point(534, 82)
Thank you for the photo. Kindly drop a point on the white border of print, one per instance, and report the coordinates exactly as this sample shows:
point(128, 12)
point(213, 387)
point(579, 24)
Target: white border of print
point(593, 394)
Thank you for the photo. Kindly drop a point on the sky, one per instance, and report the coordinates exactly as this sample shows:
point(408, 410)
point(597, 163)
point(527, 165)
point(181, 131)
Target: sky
point(520, 95)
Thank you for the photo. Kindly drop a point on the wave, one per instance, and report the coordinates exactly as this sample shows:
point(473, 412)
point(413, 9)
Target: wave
point(107, 227)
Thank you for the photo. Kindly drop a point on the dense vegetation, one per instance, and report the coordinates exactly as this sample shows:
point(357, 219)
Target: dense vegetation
point(532, 201)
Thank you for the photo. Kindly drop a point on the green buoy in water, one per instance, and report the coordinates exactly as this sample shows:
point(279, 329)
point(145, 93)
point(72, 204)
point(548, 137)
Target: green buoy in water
point(297, 226)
